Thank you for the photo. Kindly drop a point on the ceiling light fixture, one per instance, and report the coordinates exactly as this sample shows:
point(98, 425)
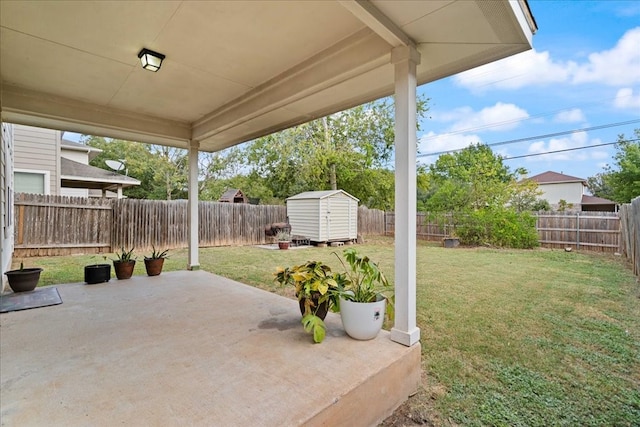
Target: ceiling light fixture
point(150, 60)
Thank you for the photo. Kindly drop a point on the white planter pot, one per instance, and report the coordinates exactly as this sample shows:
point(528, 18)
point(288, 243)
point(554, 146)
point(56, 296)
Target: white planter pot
point(362, 320)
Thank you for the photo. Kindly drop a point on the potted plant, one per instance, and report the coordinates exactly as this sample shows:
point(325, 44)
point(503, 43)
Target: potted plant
point(97, 273)
point(362, 300)
point(24, 279)
point(124, 264)
point(153, 264)
point(315, 285)
point(284, 239)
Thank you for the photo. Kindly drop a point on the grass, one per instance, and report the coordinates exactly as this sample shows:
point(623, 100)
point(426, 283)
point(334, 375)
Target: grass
point(509, 337)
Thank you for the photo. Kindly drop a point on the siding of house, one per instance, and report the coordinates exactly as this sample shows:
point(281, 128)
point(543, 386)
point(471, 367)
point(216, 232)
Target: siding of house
point(38, 149)
point(6, 200)
point(571, 192)
point(80, 157)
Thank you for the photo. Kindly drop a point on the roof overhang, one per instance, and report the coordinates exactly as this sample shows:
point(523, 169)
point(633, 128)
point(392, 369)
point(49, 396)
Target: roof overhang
point(234, 70)
point(79, 175)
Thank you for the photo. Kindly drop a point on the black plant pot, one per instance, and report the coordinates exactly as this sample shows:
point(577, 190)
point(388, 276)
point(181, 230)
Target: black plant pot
point(23, 280)
point(97, 273)
point(321, 309)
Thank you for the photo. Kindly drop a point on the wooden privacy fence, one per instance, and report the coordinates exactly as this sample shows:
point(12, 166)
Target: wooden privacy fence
point(594, 231)
point(142, 223)
point(58, 225)
point(630, 233)
point(371, 221)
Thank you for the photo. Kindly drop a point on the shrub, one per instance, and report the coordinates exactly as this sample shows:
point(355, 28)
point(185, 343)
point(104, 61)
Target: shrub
point(498, 227)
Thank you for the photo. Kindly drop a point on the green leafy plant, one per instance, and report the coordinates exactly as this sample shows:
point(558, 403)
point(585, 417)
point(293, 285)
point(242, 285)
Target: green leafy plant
point(283, 236)
point(315, 284)
point(363, 281)
point(157, 254)
point(124, 255)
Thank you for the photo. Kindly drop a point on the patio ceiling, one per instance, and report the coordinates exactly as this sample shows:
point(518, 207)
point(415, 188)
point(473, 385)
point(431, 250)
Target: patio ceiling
point(234, 70)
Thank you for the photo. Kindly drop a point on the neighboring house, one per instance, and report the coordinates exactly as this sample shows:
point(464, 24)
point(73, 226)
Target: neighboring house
point(557, 187)
point(45, 163)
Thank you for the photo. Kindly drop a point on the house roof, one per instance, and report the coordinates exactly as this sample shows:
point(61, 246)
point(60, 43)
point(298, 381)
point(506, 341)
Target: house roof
point(550, 177)
point(76, 146)
point(320, 195)
point(234, 70)
point(593, 200)
point(78, 175)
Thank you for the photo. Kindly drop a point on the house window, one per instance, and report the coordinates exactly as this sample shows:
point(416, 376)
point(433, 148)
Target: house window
point(34, 182)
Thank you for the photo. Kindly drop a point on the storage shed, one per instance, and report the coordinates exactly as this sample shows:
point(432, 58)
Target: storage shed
point(324, 216)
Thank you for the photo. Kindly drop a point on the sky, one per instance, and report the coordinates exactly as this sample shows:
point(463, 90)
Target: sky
point(583, 72)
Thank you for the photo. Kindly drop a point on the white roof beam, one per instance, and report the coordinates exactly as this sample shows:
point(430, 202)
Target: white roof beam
point(378, 22)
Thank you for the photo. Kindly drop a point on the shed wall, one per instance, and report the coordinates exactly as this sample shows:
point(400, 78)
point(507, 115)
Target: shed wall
point(304, 217)
point(324, 219)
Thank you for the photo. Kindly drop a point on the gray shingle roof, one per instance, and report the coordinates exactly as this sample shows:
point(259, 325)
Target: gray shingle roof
point(78, 175)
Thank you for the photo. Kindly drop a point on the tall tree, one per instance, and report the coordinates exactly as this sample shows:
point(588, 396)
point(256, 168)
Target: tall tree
point(472, 178)
point(350, 150)
point(624, 176)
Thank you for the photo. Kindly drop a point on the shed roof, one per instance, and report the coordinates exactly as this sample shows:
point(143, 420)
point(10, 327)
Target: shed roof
point(231, 195)
point(320, 195)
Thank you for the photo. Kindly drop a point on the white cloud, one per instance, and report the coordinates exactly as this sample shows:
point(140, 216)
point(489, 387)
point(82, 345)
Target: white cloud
point(575, 140)
point(614, 67)
point(525, 69)
point(626, 99)
point(436, 143)
point(570, 116)
point(618, 66)
point(499, 117)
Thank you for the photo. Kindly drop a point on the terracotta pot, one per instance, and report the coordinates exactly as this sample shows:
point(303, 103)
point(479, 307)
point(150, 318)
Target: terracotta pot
point(124, 269)
point(283, 245)
point(23, 280)
point(153, 266)
point(97, 273)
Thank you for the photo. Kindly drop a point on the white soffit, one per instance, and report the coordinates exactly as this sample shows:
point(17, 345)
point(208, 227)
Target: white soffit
point(235, 70)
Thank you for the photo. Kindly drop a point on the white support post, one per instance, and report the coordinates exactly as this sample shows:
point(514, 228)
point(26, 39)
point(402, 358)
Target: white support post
point(119, 191)
point(192, 207)
point(405, 331)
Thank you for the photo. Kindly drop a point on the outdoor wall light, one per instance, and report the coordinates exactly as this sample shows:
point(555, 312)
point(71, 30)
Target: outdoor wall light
point(150, 60)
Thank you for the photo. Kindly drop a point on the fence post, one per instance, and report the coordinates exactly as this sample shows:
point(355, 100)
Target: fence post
point(577, 230)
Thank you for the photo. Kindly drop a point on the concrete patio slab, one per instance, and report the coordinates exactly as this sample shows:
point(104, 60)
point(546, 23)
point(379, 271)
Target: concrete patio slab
point(191, 348)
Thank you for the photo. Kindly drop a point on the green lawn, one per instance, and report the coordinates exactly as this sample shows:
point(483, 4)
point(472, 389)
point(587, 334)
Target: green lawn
point(509, 337)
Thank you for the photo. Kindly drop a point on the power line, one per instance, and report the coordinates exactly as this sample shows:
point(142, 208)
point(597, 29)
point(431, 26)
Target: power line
point(531, 138)
point(599, 101)
point(566, 149)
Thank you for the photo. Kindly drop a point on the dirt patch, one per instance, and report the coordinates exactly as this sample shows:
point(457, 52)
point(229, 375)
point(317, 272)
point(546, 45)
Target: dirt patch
point(420, 409)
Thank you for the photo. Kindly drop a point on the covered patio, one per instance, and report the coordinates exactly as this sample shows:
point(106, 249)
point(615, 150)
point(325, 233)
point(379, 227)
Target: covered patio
point(192, 348)
point(234, 71)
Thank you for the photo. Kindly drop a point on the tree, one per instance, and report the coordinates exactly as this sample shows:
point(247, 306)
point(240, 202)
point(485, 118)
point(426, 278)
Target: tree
point(476, 193)
point(599, 186)
point(472, 178)
point(624, 176)
point(350, 150)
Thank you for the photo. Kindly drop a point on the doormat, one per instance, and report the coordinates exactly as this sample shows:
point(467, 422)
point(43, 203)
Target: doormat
point(25, 300)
